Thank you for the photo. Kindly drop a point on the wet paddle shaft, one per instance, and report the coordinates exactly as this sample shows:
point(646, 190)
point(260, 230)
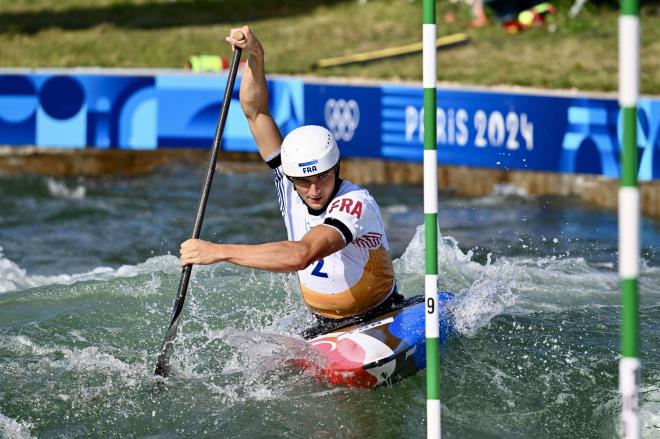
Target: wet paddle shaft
point(162, 367)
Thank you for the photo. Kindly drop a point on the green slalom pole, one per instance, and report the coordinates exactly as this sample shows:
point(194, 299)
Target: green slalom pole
point(431, 222)
point(629, 221)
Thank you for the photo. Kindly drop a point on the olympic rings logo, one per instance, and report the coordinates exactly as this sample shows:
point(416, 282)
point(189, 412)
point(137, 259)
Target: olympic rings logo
point(342, 118)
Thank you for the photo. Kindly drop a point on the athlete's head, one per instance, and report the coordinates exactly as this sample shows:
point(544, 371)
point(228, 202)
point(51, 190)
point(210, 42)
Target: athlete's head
point(310, 159)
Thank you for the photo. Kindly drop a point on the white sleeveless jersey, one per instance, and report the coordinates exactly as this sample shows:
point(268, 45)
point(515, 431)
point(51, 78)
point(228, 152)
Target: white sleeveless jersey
point(356, 278)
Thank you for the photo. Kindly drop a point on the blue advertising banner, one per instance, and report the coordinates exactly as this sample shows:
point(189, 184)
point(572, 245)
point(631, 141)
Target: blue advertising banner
point(132, 112)
point(485, 129)
point(519, 131)
point(574, 134)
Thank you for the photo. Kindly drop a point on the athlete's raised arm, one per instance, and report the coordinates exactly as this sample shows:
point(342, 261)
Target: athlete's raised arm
point(254, 93)
point(283, 256)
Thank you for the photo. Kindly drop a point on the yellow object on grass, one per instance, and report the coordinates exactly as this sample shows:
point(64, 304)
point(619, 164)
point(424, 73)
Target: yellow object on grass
point(207, 63)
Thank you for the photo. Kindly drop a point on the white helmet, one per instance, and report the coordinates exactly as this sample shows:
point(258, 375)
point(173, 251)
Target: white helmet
point(308, 150)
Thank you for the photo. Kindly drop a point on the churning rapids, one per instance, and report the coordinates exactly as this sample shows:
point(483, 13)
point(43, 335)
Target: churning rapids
point(89, 270)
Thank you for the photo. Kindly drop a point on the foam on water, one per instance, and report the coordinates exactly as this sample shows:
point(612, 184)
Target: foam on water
point(69, 359)
point(482, 291)
point(501, 193)
point(15, 278)
point(13, 429)
point(396, 208)
point(508, 285)
point(59, 189)
point(650, 409)
point(515, 285)
point(12, 277)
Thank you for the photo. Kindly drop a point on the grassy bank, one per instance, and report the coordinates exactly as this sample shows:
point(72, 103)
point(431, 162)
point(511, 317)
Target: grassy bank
point(569, 53)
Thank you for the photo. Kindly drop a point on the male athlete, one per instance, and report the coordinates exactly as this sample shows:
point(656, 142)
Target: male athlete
point(336, 238)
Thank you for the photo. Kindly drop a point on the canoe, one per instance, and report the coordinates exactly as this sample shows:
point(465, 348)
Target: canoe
point(379, 350)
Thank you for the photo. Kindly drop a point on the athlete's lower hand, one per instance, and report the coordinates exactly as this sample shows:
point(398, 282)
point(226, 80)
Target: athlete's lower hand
point(198, 252)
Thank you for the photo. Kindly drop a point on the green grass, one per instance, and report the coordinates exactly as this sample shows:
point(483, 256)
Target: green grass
point(578, 53)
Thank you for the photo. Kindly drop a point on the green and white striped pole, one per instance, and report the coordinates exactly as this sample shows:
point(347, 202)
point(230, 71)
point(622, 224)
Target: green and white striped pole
point(431, 223)
point(629, 221)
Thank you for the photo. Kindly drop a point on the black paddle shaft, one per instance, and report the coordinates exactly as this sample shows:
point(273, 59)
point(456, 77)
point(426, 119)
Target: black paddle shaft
point(162, 367)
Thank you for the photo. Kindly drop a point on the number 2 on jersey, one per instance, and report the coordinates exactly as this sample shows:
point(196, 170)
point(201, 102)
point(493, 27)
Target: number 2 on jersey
point(317, 270)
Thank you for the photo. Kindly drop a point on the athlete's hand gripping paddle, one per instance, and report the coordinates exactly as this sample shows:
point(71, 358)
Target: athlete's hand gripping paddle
point(162, 367)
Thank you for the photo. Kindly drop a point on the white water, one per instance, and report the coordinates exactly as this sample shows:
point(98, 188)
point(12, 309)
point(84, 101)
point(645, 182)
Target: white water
point(230, 351)
point(512, 285)
point(13, 429)
point(15, 278)
point(59, 189)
